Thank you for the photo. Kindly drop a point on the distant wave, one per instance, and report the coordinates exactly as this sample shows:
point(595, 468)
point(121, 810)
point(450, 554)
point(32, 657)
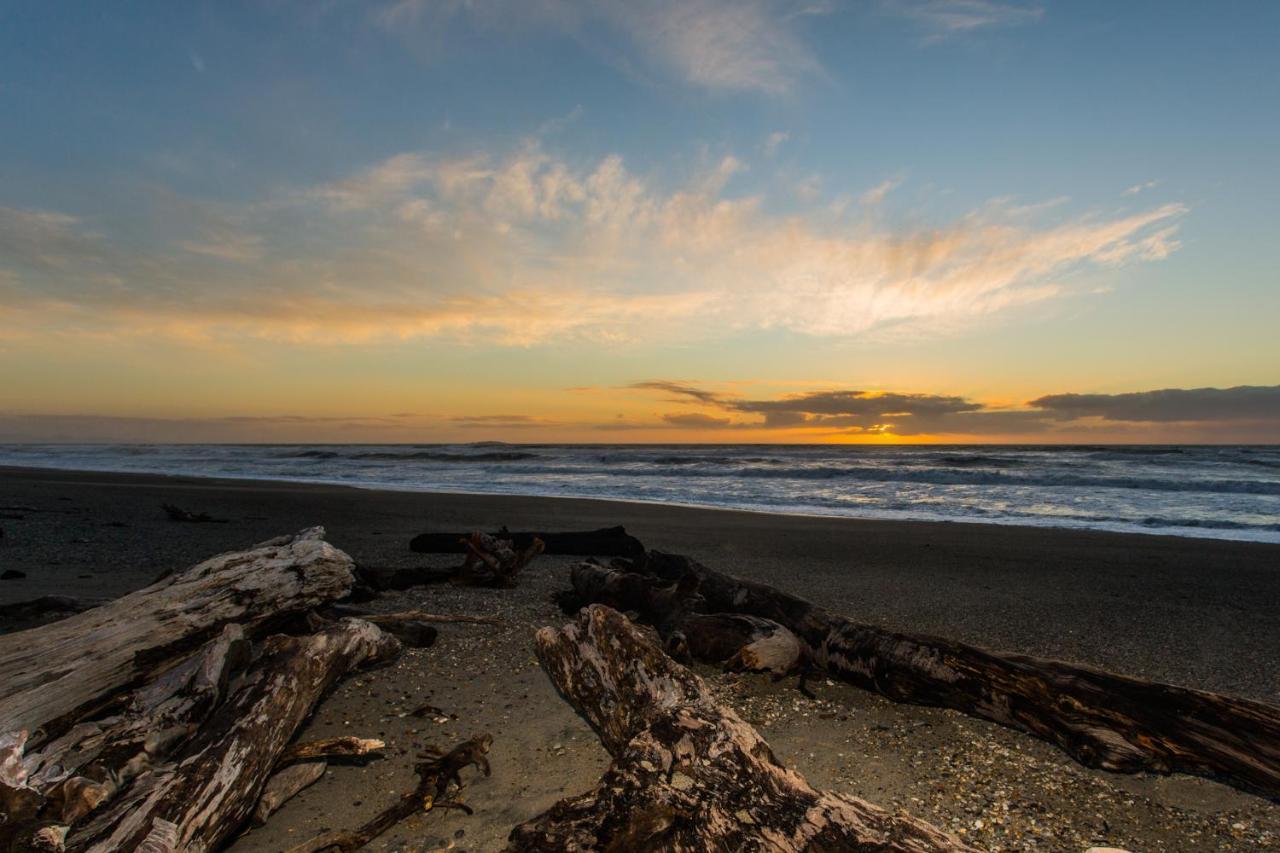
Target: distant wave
point(1207, 523)
point(980, 461)
point(437, 456)
point(947, 476)
point(425, 455)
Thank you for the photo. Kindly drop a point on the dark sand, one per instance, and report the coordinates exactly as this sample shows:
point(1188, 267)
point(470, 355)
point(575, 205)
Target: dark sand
point(1203, 613)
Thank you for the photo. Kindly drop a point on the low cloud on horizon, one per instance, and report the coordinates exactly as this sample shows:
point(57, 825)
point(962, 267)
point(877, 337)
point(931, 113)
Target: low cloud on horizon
point(1227, 415)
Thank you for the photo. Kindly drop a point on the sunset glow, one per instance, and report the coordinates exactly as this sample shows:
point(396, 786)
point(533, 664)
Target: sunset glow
point(714, 221)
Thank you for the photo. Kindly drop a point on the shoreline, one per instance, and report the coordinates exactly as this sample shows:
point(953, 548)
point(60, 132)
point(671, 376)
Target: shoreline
point(405, 489)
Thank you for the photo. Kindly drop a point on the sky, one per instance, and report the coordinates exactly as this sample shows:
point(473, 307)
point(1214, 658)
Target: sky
point(640, 221)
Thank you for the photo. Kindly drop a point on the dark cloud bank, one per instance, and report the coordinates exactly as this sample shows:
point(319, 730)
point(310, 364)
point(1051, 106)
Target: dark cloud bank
point(1256, 408)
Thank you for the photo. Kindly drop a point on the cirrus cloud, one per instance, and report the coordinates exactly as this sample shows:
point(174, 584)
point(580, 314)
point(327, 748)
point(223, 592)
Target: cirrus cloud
point(528, 248)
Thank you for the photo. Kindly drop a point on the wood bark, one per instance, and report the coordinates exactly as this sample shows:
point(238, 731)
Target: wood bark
point(1101, 719)
point(606, 542)
point(211, 787)
point(53, 675)
point(688, 774)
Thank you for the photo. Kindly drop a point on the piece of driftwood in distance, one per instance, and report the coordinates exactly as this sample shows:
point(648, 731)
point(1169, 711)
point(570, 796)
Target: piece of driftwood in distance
point(437, 773)
point(490, 562)
point(54, 675)
point(284, 785)
point(606, 542)
point(213, 785)
point(688, 773)
point(1101, 719)
point(177, 513)
point(343, 746)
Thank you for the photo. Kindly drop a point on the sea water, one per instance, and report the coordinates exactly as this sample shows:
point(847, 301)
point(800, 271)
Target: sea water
point(1228, 492)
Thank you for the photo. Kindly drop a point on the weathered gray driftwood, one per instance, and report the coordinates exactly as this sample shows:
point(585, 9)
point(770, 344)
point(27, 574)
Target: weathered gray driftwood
point(688, 774)
point(94, 760)
point(53, 675)
point(1099, 718)
point(212, 785)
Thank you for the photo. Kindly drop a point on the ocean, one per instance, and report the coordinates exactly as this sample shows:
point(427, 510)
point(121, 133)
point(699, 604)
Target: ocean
point(1225, 492)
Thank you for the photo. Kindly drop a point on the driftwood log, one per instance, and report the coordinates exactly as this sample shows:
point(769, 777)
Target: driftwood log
point(1099, 718)
point(734, 641)
point(490, 562)
point(688, 774)
point(606, 542)
point(210, 788)
point(54, 675)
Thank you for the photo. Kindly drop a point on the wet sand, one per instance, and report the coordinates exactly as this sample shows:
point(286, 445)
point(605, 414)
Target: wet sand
point(1203, 613)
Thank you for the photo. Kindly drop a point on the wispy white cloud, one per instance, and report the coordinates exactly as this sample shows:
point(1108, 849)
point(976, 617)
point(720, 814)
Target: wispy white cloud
point(1137, 188)
point(945, 18)
point(877, 194)
point(773, 142)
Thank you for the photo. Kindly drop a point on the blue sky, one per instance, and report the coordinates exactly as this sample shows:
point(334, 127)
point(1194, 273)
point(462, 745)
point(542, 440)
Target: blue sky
point(560, 201)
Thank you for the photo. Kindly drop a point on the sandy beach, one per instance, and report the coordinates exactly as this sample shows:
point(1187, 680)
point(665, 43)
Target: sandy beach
point(1195, 612)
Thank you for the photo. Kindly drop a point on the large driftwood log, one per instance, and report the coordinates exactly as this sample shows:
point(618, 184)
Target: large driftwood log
point(606, 542)
point(55, 674)
point(214, 783)
point(1101, 719)
point(94, 760)
point(688, 774)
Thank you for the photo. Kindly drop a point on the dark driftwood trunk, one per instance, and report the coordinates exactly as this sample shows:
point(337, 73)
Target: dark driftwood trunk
point(688, 774)
point(55, 674)
point(606, 542)
point(1099, 718)
point(210, 788)
point(491, 561)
